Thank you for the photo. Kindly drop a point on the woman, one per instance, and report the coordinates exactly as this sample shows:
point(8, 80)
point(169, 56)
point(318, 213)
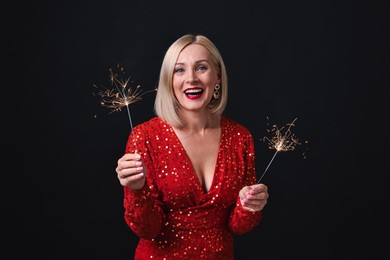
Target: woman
point(189, 173)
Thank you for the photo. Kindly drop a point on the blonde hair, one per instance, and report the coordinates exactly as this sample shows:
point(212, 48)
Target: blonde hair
point(166, 105)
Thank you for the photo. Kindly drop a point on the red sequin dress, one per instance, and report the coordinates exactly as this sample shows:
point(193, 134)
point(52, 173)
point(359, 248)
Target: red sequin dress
point(173, 215)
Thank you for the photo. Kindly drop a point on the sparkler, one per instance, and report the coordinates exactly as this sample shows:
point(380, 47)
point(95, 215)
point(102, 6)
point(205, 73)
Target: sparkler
point(280, 142)
point(121, 94)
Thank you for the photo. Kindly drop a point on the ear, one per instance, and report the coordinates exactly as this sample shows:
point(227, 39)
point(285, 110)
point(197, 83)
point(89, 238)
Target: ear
point(219, 75)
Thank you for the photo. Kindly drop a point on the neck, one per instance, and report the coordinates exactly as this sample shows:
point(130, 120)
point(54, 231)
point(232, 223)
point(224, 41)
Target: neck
point(199, 123)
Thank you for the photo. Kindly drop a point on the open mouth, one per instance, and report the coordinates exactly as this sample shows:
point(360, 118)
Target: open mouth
point(193, 92)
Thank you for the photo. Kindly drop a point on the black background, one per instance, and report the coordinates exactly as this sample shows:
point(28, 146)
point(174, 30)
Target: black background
point(323, 62)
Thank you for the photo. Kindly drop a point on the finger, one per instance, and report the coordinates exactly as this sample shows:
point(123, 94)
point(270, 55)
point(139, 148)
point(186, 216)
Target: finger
point(257, 196)
point(134, 177)
point(258, 188)
point(253, 207)
point(124, 173)
point(257, 199)
point(130, 156)
point(255, 204)
point(129, 164)
point(131, 179)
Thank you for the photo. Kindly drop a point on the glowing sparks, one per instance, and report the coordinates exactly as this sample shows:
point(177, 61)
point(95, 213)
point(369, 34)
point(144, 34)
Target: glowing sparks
point(280, 142)
point(121, 94)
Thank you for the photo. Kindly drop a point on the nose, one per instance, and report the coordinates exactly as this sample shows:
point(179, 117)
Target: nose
point(191, 77)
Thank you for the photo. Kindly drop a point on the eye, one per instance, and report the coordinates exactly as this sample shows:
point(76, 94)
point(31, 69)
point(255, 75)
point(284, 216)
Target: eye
point(178, 70)
point(201, 67)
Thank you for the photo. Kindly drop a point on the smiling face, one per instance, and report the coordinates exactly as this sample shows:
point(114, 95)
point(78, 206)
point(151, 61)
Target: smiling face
point(194, 78)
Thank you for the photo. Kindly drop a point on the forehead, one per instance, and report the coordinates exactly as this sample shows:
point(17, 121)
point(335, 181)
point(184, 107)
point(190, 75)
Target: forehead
point(194, 51)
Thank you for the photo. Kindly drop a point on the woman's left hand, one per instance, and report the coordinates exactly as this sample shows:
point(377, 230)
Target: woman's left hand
point(254, 198)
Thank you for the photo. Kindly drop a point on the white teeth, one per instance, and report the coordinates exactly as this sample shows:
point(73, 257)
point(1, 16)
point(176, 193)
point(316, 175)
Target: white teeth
point(193, 91)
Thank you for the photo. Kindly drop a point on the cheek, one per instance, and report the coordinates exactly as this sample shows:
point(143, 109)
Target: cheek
point(176, 85)
point(211, 90)
point(211, 83)
point(177, 79)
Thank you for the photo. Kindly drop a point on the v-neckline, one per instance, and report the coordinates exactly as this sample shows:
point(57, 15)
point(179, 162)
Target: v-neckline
point(198, 183)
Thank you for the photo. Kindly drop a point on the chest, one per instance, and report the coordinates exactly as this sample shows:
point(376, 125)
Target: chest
point(202, 151)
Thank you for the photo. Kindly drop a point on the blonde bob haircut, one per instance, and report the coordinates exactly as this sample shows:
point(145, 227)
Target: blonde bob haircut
point(166, 105)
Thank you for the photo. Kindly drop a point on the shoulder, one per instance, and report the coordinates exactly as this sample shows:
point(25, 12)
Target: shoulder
point(237, 134)
point(235, 127)
point(153, 125)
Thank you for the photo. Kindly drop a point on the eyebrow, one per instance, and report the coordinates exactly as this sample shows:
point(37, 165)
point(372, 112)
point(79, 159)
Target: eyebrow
point(198, 61)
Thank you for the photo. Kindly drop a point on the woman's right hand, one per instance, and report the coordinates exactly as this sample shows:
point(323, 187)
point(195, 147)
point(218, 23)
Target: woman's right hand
point(130, 172)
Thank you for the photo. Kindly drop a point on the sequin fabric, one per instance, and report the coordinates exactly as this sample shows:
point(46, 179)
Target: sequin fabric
point(172, 215)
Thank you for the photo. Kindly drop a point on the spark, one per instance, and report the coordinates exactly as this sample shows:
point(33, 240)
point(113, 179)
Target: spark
point(121, 94)
point(280, 142)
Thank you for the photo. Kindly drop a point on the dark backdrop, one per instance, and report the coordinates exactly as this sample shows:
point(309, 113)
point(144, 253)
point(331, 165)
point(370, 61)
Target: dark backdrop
point(323, 62)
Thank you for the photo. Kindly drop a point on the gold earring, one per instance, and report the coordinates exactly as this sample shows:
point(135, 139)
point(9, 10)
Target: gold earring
point(216, 91)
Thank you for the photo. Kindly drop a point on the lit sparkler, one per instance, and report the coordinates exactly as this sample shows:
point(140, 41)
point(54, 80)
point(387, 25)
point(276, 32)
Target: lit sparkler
point(121, 94)
point(280, 142)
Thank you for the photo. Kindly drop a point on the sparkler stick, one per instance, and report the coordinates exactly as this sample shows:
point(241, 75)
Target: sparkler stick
point(120, 94)
point(280, 142)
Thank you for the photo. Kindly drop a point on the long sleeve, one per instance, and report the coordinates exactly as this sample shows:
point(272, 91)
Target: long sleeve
point(242, 220)
point(143, 208)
